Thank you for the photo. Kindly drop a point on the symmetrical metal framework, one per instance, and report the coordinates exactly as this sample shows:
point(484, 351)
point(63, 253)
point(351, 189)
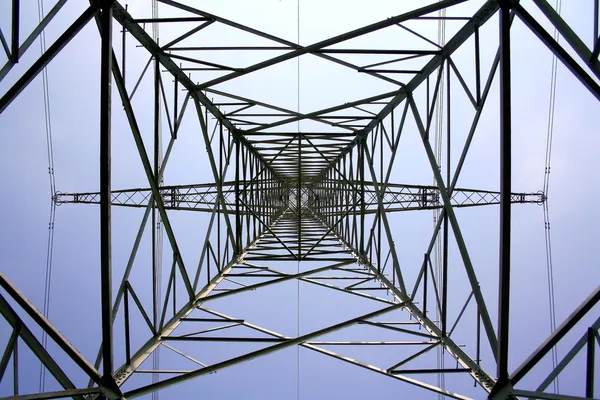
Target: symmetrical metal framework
point(292, 189)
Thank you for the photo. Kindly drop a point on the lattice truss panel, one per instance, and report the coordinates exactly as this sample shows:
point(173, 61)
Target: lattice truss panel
point(263, 193)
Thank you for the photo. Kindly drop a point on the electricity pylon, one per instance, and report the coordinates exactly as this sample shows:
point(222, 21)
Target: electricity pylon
point(311, 205)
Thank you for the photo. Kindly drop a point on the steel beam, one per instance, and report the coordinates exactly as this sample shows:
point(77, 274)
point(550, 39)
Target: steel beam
point(505, 188)
point(47, 327)
point(479, 18)
point(105, 187)
point(489, 329)
point(482, 377)
point(14, 48)
point(150, 175)
point(568, 61)
point(586, 55)
point(11, 316)
point(258, 353)
point(558, 334)
point(48, 56)
point(127, 21)
point(590, 363)
point(567, 358)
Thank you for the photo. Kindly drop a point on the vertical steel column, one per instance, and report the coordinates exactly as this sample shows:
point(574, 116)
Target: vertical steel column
point(105, 186)
point(126, 325)
point(361, 166)
point(16, 368)
point(247, 202)
point(253, 196)
point(379, 210)
point(505, 190)
point(220, 175)
point(425, 262)
point(155, 261)
point(14, 50)
point(299, 196)
point(123, 54)
point(175, 104)
point(444, 312)
point(596, 11)
point(238, 219)
point(589, 377)
point(477, 69)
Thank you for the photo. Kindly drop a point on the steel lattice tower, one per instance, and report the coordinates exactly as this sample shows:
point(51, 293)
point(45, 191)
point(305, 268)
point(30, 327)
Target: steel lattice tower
point(302, 197)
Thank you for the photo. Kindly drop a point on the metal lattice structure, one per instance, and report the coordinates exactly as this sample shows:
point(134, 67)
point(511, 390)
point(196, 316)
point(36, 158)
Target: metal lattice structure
point(303, 197)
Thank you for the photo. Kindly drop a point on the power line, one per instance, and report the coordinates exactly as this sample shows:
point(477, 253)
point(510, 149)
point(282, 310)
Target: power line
point(157, 225)
point(50, 157)
point(438, 143)
point(547, 235)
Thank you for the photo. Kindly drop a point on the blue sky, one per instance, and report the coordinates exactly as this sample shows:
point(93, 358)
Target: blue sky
point(74, 92)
